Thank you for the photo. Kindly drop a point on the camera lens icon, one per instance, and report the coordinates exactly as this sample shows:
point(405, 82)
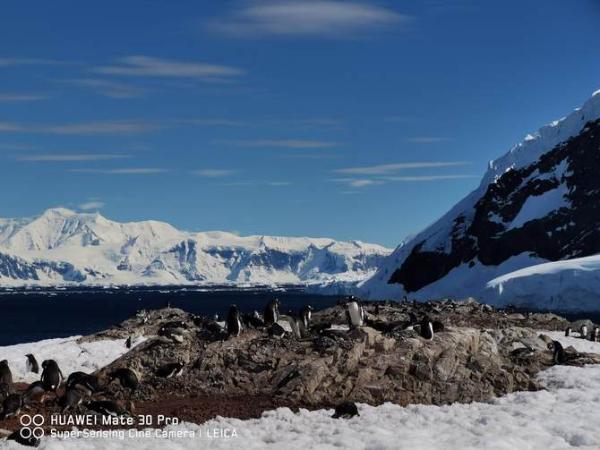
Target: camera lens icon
point(31, 426)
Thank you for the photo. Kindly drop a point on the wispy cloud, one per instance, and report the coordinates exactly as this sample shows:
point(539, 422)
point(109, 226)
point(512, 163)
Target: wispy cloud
point(357, 182)
point(146, 66)
point(107, 88)
point(214, 173)
point(101, 128)
point(14, 62)
point(307, 18)
point(427, 139)
point(92, 205)
point(8, 126)
point(16, 98)
point(383, 169)
point(430, 177)
point(70, 157)
point(279, 183)
point(123, 171)
point(214, 121)
point(284, 143)
point(363, 182)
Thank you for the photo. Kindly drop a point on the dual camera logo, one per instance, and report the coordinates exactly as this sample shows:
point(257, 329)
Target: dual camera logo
point(31, 426)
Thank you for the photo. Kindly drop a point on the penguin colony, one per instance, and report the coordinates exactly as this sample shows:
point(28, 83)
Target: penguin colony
point(87, 390)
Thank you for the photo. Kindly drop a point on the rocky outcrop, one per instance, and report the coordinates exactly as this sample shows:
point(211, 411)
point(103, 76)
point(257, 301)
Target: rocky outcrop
point(475, 358)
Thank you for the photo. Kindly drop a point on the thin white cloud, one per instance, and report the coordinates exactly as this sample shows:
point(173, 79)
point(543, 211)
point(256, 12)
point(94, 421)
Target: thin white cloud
point(123, 171)
point(108, 88)
point(358, 182)
point(279, 183)
point(70, 157)
point(15, 62)
point(101, 128)
point(427, 139)
point(307, 18)
point(8, 126)
point(146, 66)
point(284, 143)
point(84, 128)
point(383, 169)
point(214, 173)
point(16, 98)
point(430, 177)
point(92, 205)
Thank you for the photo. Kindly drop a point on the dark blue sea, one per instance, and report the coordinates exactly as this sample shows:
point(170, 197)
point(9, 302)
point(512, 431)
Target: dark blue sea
point(28, 315)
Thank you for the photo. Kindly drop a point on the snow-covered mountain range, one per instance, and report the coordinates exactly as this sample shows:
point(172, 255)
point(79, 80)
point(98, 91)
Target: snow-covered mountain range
point(63, 247)
point(538, 203)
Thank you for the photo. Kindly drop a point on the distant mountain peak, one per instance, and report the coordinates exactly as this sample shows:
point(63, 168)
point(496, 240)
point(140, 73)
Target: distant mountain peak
point(64, 246)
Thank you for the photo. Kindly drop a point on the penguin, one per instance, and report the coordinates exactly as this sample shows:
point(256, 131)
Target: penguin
point(271, 314)
point(11, 406)
point(5, 373)
point(426, 329)
point(127, 378)
point(354, 314)
point(32, 364)
point(71, 399)
point(106, 408)
point(234, 324)
point(568, 331)
point(595, 334)
point(584, 331)
point(34, 392)
point(345, 410)
point(172, 334)
point(87, 384)
point(558, 356)
point(17, 436)
point(5, 390)
point(128, 342)
point(253, 320)
point(306, 316)
point(170, 370)
point(51, 375)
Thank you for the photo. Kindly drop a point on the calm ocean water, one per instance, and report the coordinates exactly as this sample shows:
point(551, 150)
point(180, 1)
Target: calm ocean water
point(32, 315)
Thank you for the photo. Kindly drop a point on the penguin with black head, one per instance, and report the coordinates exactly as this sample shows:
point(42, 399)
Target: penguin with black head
point(5, 373)
point(306, 316)
point(32, 364)
point(355, 314)
point(426, 328)
point(558, 352)
point(234, 324)
point(52, 377)
point(271, 314)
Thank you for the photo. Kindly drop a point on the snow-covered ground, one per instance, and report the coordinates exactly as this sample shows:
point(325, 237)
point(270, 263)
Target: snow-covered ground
point(565, 416)
point(70, 355)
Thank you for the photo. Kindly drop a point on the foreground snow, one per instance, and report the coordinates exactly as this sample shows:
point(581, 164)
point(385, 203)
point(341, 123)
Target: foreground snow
point(70, 355)
point(563, 417)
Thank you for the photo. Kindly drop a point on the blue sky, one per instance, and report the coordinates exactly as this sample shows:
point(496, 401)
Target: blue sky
point(353, 120)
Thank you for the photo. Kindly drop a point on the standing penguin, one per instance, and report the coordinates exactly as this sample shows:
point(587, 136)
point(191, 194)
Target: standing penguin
point(568, 331)
point(272, 312)
point(128, 342)
point(5, 373)
point(170, 370)
point(426, 329)
point(51, 375)
point(558, 355)
point(355, 314)
point(584, 331)
point(11, 406)
point(127, 378)
point(595, 334)
point(32, 364)
point(234, 324)
point(306, 316)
